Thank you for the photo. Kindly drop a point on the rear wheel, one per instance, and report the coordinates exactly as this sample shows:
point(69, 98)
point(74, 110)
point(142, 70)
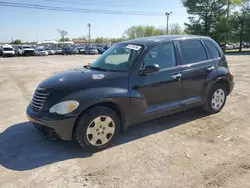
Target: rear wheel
point(97, 128)
point(216, 99)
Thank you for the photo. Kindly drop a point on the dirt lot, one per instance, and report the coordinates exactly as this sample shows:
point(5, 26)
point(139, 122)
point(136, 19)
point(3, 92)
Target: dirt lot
point(186, 150)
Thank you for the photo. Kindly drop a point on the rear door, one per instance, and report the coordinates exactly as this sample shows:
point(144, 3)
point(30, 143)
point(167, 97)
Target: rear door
point(196, 66)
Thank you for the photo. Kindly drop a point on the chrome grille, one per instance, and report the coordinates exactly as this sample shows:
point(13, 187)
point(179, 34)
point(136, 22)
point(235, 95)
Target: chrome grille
point(39, 98)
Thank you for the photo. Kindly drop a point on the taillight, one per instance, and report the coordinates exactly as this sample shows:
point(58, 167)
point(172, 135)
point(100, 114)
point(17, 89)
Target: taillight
point(231, 74)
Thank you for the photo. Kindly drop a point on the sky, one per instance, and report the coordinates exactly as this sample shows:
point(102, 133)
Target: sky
point(32, 25)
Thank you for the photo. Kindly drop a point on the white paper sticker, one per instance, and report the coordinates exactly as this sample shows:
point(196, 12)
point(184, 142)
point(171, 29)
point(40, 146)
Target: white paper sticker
point(97, 76)
point(133, 47)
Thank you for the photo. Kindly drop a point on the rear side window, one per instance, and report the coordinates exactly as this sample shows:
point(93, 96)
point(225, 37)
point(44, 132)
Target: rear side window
point(212, 49)
point(192, 51)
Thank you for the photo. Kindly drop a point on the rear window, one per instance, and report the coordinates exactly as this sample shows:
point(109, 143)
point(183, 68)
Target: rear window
point(212, 49)
point(192, 51)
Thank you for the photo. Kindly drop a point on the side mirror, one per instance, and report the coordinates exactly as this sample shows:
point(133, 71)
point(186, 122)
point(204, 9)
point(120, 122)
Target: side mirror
point(150, 69)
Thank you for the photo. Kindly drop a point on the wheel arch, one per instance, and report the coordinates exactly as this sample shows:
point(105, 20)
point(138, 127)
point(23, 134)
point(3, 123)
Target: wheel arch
point(225, 83)
point(110, 104)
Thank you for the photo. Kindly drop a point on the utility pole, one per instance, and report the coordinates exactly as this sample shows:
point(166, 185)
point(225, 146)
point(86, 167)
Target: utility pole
point(227, 17)
point(89, 25)
point(167, 14)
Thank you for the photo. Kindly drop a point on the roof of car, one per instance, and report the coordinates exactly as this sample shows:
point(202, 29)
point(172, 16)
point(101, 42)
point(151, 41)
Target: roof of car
point(147, 41)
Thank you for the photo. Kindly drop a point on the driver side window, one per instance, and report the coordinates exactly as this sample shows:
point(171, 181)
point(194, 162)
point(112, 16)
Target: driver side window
point(163, 55)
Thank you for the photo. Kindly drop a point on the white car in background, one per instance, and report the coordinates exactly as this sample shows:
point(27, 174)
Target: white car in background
point(50, 51)
point(229, 47)
point(26, 50)
point(7, 51)
point(41, 52)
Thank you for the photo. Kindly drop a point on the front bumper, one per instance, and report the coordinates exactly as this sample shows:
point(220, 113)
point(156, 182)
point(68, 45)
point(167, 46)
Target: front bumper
point(8, 54)
point(60, 126)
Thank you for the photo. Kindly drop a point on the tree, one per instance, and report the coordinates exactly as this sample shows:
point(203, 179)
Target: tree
point(64, 39)
point(18, 41)
point(63, 33)
point(142, 31)
point(241, 21)
point(205, 15)
point(175, 29)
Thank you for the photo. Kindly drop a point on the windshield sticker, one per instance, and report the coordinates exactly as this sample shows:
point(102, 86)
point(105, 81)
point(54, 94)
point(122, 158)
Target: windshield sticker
point(97, 76)
point(133, 47)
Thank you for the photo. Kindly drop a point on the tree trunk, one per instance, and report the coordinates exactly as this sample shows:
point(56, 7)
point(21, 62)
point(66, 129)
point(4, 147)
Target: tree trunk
point(241, 31)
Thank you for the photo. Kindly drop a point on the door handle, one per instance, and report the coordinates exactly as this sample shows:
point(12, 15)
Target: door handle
point(177, 76)
point(211, 68)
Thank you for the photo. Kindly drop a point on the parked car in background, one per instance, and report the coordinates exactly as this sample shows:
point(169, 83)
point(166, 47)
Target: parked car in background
point(26, 50)
point(159, 76)
point(81, 50)
point(229, 47)
point(91, 51)
point(236, 46)
point(16, 50)
point(58, 51)
point(68, 51)
point(106, 47)
point(100, 50)
point(41, 52)
point(7, 51)
point(50, 51)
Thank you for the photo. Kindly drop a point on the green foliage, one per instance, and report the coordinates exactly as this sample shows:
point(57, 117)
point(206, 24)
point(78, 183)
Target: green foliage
point(142, 31)
point(18, 41)
point(209, 17)
point(64, 39)
point(205, 15)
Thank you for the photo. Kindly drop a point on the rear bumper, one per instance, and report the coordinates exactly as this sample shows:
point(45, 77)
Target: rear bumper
point(231, 87)
point(57, 125)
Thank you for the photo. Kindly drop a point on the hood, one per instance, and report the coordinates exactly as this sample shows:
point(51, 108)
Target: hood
point(28, 49)
point(82, 78)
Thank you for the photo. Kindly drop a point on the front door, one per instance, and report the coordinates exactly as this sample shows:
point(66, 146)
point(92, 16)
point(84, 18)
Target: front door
point(161, 91)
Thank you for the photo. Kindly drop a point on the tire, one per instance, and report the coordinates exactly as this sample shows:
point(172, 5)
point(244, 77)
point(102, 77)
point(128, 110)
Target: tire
point(86, 123)
point(216, 100)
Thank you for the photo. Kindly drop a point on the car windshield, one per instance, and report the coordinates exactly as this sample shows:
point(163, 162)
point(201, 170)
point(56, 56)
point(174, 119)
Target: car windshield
point(7, 49)
point(92, 48)
point(119, 57)
point(26, 47)
point(40, 49)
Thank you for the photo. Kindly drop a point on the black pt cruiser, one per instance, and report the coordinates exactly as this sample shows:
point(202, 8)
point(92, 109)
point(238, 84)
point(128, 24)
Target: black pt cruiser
point(132, 82)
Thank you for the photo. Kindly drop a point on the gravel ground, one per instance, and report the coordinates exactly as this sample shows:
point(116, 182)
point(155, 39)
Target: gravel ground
point(185, 150)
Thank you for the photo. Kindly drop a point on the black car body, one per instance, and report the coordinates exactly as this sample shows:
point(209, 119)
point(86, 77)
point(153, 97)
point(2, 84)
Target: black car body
point(162, 75)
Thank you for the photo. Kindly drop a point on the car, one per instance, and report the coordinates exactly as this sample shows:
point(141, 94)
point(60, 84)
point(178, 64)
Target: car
point(81, 50)
point(41, 52)
point(26, 50)
point(50, 51)
point(58, 51)
point(236, 46)
point(69, 51)
point(159, 76)
point(100, 50)
point(229, 47)
point(91, 51)
point(7, 51)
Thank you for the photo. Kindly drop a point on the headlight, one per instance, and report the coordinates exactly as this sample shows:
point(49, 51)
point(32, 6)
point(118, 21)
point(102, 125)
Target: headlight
point(64, 107)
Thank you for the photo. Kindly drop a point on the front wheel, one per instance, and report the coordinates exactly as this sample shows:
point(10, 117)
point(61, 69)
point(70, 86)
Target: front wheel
point(97, 128)
point(216, 99)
